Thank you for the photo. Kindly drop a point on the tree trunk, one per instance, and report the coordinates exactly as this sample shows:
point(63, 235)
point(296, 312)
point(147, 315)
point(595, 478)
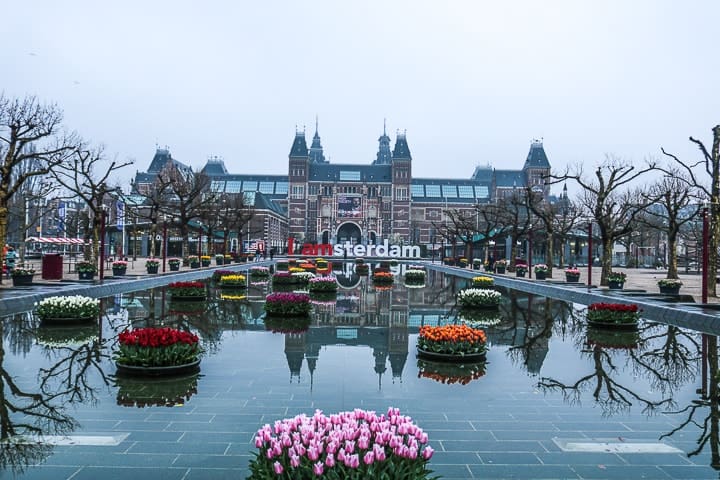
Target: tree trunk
point(672, 256)
point(549, 258)
point(606, 260)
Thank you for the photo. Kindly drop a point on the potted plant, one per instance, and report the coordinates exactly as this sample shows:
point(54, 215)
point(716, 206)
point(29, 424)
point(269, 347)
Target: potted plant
point(362, 269)
point(85, 270)
point(205, 260)
point(541, 271)
point(477, 263)
point(152, 265)
point(67, 309)
point(323, 284)
point(500, 266)
point(451, 343)
point(234, 280)
point(187, 290)
point(259, 273)
point(615, 315)
point(287, 304)
point(119, 267)
point(157, 351)
point(572, 275)
point(520, 270)
point(22, 276)
point(616, 280)
point(219, 259)
point(386, 445)
point(282, 266)
point(414, 276)
point(670, 286)
point(463, 262)
point(193, 261)
point(383, 278)
point(174, 264)
point(483, 282)
point(478, 298)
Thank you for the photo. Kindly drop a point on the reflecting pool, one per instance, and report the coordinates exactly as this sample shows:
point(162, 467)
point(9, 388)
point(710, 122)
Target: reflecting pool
point(554, 399)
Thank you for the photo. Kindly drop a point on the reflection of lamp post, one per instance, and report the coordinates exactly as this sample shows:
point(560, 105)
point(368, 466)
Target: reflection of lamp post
point(705, 256)
point(164, 252)
point(199, 241)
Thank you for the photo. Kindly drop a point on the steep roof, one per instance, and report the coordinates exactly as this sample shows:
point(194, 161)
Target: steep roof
point(214, 166)
point(299, 146)
point(350, 173)
point(401, 148)
point(161, 158)
point(536, 156)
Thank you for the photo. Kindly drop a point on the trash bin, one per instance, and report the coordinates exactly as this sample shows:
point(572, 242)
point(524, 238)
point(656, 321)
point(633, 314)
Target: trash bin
point(52, 266)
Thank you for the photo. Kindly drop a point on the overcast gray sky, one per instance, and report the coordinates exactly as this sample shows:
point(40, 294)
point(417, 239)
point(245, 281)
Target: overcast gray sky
point(472, 82)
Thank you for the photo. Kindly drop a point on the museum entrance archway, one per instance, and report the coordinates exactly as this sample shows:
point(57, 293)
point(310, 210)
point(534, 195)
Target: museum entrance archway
point(348, 232)
point(326, 237)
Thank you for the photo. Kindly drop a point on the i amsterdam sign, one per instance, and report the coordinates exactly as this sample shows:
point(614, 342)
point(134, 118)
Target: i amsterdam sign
point(342, 249)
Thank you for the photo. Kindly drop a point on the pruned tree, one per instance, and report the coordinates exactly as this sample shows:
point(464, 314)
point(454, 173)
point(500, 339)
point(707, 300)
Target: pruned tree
point(235, 212)
point(85, 175)
point(611, 204)
point(191, 196)
point(671, 198)
point(29, 130)
point(711, 164)
point(514, 216)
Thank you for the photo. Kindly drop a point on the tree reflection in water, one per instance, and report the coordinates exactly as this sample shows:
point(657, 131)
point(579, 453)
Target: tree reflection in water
point(665, 355)
point(26, 415)
point(704, 413)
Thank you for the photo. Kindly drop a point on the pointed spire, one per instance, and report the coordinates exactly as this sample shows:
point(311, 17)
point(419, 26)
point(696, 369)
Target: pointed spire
point(316, 149)
point(384, 155)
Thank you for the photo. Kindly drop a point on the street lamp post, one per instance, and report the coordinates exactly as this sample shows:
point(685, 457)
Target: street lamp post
point(102, 244)
point(589, 254)
point(164, 253)
point(705, 252)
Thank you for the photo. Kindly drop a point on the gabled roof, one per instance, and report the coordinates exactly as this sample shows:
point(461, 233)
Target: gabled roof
point(214, 166)
point(509, 178)
point(263, 202)
point(161, 158)
point(536, 157)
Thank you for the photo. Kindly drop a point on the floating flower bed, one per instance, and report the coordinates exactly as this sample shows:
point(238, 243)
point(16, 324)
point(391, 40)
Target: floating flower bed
point(452, 342)
point(285, 303)
point(475, 318)
point(483, 282)
point(56, 337)
point(218, 274)
point(323, 284)
point(383, 278)
point(613, 315)
point(259, 272)
point(159, 350)
point(353, 445)
point(450, 373)
point(67, 308)
point(414, 276)
point(478, 298)
point(287, 325)
point(235, 280)
point(612, 338)
point(166, 392)
point(187, 290)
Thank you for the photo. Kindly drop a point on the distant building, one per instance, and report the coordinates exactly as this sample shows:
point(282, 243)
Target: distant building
point(323, 202)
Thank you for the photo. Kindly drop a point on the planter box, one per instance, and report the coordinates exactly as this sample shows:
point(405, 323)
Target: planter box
point(615, 285)
point(540, 275)
point(519, 273)
point(194, 264)
point(501, 269)
point(22, 280)
point(219, 261)
point(572, 278)
point(153, 269)
point(157, 371)
point(670, 290)
point(205, 263)
point(119, 272)
point(174, 267)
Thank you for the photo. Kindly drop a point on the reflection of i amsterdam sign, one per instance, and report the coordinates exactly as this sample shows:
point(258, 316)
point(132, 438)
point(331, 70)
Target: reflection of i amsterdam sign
point(341, 249)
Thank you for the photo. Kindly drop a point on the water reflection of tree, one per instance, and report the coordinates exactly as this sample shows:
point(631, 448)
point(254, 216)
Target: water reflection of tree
point(666, 366)
point(26, 414)
point(704, 413)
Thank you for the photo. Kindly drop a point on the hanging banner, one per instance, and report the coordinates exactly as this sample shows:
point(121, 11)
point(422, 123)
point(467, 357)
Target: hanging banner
point(120, 214)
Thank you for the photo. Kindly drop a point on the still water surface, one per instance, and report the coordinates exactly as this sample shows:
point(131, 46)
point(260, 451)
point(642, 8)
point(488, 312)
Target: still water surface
point(547, 380)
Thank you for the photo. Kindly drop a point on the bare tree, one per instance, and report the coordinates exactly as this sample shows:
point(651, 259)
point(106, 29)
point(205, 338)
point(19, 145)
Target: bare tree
point(611, 204)
point(514, 216)
point(711, 163)
point(86, 176)
point(672, 195)
point(29, 130)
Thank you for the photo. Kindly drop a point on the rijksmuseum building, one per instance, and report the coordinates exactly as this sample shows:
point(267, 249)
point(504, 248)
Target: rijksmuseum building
point(333, 203)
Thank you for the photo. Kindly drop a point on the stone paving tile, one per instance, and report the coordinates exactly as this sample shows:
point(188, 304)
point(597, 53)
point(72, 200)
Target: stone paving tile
point(581, 458)
point(452, 472)
point(453, 458)
point(216, 474)
point(133, 425)
point(491, 446)
point(514, 425)
point(151, 436)
point(156, 460)
point(47, 472)
point(657, 459)
point(502, 458)
point(114, 473)
point(210, 448)
point(445, 435)
point(213, 461)
point(532, 434)
point(624, 472)
point(180, 416)
point(689, 473)
point(534, 472)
